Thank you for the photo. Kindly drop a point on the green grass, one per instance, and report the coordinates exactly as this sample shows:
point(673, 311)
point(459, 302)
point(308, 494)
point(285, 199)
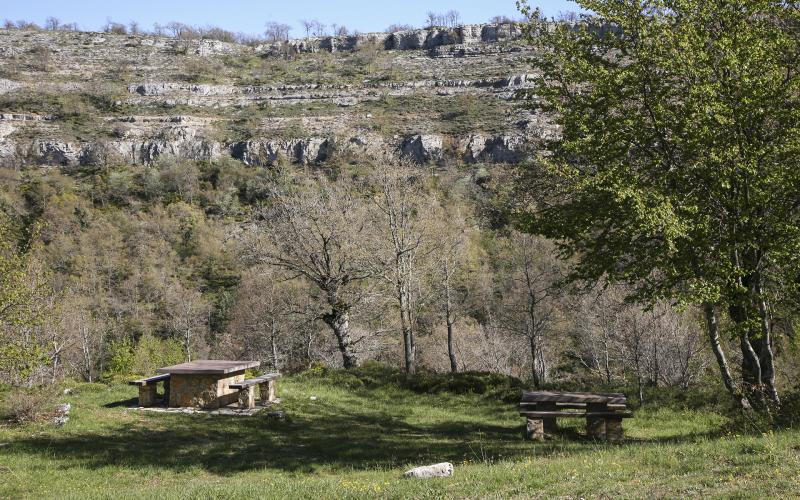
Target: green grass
point(356, 442)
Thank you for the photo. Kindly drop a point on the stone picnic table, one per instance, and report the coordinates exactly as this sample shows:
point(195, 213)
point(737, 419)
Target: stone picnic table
point(205, 383)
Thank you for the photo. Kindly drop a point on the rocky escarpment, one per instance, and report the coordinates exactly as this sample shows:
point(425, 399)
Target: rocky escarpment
point(415, 39)
point(191, 139)
point(428, 95)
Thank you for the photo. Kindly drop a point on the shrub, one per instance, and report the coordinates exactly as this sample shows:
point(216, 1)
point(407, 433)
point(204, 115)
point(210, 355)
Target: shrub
point(374, 374)
point(128, 358)
point(27, 405)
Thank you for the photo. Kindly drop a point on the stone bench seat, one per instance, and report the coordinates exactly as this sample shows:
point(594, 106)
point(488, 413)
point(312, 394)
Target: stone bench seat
point(148, 388)
point(571, 406)
point(576, 414)
point(246, 388)
point(603, 412)
point(150, 380)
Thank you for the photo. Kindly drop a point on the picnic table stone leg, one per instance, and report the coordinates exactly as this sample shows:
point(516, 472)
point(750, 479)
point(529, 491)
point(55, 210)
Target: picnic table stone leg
point(596, 426)
point(147, 395)
point(534, 429)
point(247, 397)
point(614, 432)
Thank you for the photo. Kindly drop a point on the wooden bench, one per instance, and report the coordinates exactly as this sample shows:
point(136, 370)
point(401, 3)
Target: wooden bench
point(603, 412)
point(147, 389)
point(246, 388)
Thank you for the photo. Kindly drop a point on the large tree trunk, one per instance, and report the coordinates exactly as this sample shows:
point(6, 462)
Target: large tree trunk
point(766, 356)
point(339, 321)
point(722, 362)
point(537, 382)
point(450, 348)
point(406, 325)
point(758, 372)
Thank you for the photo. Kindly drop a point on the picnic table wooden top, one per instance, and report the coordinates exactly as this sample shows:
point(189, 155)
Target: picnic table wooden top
point(573, 397)
point(209, 367)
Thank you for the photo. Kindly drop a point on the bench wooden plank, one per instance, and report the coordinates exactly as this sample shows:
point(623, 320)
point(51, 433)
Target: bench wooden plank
point(254, 381)
point(150, 380)
point(573, 397)
point(575, 406)
point(579, 414)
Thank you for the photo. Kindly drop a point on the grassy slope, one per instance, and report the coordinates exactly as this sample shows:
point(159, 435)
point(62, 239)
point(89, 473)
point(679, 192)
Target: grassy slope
point(356, 443)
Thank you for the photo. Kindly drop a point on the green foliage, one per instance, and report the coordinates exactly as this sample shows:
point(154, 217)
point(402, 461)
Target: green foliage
point(152, 353)
point(23, 296)
point(120, 358)
point(677, 167)
point(128, 358)
point(667, 166)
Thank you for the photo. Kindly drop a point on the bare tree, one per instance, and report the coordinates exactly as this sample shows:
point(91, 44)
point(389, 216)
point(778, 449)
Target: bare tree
point(269, 321)
point(115, 28)
point(530, 300)
point(133, 28)
point(431, 19)
point(308, 25)
point(394, 28)
point(453, 18)
point(317, 233)
point(501, 20)
point(319, 29)
point(452, 267)
point(188, 312)
point(403, 241)
point(52, 23)
point(277, 32)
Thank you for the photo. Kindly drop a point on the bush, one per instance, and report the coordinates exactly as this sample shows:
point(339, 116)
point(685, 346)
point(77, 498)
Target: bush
point(374, 374)
point(28, 405)
point(789, 414)
point(141, 358)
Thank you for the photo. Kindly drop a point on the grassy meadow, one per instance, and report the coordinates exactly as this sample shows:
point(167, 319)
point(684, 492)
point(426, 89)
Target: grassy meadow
point(357, 438)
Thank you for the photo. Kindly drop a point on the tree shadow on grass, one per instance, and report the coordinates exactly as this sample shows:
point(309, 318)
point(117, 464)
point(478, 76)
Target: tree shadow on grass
point(320, 436)
point(297, 444)
point(127, 403)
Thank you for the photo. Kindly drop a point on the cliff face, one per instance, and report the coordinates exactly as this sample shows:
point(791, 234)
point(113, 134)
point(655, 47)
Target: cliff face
point(76, 99)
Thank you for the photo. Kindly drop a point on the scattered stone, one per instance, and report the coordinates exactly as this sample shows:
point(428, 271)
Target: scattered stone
point(444, 469)
point(276, 414)
point(67, 392)
point(62, 414)
point(313, 398)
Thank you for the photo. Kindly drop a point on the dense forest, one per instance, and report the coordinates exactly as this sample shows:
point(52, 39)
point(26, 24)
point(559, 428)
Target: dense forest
point(424, 262)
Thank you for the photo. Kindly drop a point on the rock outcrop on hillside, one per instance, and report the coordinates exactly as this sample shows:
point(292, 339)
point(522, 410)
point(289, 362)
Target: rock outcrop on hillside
point(75, 99)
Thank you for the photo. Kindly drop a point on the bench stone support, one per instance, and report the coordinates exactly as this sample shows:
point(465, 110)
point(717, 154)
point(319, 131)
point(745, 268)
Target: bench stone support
point(534, 429)
point(147, 395)
point(614, 432)
point(596, 426)
point(550, 425)
point(267, 391)
point(247, 397)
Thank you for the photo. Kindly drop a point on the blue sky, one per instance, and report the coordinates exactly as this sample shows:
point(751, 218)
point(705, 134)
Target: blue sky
point(249, 16)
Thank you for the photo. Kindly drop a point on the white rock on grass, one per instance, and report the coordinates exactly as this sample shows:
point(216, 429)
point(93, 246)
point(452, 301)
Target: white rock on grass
point(444, 469)
point(62, 414)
